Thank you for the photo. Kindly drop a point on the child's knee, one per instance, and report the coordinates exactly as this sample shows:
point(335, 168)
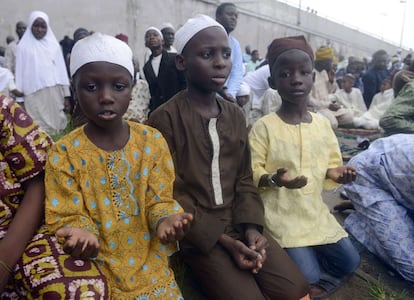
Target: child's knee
point(354, 260)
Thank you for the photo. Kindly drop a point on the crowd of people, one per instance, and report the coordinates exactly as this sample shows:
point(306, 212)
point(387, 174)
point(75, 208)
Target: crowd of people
point(208, 153)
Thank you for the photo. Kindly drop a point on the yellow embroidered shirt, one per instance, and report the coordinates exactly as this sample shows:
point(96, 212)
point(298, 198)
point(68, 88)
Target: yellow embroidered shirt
point(120, 196)
point(297, 217)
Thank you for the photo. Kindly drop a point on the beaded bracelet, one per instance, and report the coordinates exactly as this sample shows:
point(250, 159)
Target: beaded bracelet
point(6, 266)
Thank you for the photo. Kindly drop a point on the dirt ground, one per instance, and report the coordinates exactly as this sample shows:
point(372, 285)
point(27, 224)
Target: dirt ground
point(370, 271)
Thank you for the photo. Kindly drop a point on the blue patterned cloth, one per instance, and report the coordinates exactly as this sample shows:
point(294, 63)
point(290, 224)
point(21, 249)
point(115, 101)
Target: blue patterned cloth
point(383, 196)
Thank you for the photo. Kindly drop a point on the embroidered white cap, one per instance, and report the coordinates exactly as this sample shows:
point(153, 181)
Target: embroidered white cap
point(191, 28)
point(101, 47)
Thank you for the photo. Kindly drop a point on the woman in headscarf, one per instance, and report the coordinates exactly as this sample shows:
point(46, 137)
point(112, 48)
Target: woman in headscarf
point(41, 74)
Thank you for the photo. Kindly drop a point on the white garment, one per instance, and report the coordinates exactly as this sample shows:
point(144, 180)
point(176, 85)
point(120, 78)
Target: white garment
point(380, 103)
point(39, 63)
point(10, 56)
point(270, 102)
point(353, 100)
point(155, 63)
point(49, 115)
point(322, 90)
point(172, 50)
point(148, 53)
point(258, 82)
point(6, 81)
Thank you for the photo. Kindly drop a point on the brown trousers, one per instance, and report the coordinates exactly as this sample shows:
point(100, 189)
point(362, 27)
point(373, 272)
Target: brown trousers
point(220, 278)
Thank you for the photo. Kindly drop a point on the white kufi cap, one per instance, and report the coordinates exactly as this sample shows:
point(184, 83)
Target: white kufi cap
point(167, 25)
point(156, 30)
point(191, 28)
point(101, 47)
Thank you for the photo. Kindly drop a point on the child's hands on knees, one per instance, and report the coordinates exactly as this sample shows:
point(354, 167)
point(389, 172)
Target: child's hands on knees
point(282, 179)
point(174, 227)
point(244, 257)
point(257, 242)
point(79, 243)
point(342, 174)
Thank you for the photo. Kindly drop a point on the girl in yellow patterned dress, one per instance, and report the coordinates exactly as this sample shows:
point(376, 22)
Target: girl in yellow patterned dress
point(109, 182)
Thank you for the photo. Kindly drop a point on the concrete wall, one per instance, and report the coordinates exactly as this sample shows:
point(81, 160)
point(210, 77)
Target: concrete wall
point(259, 21)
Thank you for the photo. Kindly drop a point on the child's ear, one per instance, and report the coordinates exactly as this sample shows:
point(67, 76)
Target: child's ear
point(180, 62)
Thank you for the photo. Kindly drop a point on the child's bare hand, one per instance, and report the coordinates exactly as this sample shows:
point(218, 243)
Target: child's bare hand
point(331, 75)
point(283, 179)
point(79, 243)
point(257, 242)
point(334, 106)
point(246, 258)
point(342, 174)
point(173, 228)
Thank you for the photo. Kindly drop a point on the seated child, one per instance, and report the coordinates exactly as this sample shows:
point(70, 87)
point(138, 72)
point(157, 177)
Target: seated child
point(295, 154)
point(350, 97)
point(226, 248)
point(109, 182)
point(32, 264)
point(379, 104)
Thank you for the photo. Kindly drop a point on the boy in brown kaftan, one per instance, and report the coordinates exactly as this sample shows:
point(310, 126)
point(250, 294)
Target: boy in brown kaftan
point(225, 247)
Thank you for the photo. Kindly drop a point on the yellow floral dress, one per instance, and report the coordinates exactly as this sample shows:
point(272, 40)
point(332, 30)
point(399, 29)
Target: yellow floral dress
point(120, 196)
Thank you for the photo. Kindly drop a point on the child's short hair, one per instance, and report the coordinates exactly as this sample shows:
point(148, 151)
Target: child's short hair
point(278, 46)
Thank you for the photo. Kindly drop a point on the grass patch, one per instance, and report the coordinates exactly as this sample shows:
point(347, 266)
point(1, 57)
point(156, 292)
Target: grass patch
point(65, 131)
point(378, 291)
